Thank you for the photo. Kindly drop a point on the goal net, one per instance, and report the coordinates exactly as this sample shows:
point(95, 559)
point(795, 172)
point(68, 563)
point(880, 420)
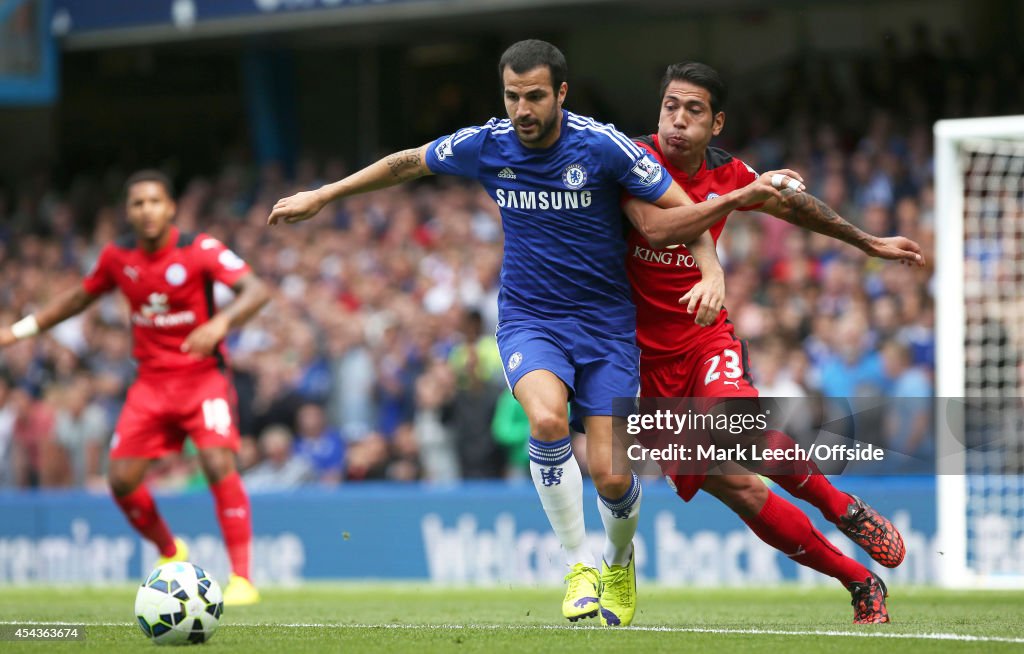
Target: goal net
point(979, 182)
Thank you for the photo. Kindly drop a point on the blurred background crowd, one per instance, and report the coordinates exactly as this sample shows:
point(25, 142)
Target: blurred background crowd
point(376, 358)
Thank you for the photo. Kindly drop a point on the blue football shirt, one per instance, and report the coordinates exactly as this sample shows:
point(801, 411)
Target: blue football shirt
point(560, 208)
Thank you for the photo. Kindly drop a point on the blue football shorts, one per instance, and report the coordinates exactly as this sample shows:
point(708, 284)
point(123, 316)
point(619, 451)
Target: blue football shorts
point(596, 366)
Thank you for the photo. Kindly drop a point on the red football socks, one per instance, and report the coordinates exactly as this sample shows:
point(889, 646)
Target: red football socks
point(819, 491)
point(140, 509)
point(809, 484)
point(235, 519)
point(787, 529)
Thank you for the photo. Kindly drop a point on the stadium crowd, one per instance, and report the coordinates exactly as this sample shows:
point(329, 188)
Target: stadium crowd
point(376, 357)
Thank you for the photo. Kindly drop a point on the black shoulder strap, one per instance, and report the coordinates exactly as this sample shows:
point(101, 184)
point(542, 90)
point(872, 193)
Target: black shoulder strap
point(717, 157)
point(646, 139)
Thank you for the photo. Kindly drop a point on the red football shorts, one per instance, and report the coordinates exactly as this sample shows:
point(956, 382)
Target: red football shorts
point(716, 368)
point(161, 410)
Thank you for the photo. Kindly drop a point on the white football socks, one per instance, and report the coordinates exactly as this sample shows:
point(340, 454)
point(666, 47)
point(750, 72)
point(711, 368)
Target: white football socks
point(620, 518)
point(559, 482)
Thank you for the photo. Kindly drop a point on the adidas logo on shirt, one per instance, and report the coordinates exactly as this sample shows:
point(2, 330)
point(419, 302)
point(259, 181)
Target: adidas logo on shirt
point(506, 173)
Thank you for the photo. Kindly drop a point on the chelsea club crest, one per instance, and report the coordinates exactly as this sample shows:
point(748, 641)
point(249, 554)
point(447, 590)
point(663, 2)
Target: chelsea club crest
point(514, 361)
point(574, 176)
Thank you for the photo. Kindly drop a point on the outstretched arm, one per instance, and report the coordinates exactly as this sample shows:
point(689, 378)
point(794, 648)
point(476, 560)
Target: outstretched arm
point(676, 219)
point(805, 210)
point(70, 302)
point(251, 295)
point(389, 171)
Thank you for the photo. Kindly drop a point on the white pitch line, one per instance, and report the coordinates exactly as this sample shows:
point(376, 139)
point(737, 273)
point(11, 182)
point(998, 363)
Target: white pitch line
point(545, 627)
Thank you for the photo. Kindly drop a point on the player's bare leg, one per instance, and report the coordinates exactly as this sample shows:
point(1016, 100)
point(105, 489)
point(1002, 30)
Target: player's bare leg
point(235, 518)
point(559, 483)
point(218, 463)
point(783, 526)
point(618, 502)
point(125, 476)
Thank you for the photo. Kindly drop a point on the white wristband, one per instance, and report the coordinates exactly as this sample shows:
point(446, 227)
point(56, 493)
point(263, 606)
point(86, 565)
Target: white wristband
point(25, 328)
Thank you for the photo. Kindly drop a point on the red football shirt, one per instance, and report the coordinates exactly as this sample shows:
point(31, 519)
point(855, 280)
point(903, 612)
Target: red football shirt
point(660, 277)
point(170, 292)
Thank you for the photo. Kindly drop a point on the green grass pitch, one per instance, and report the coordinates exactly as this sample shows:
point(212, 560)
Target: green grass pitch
point(404, 618)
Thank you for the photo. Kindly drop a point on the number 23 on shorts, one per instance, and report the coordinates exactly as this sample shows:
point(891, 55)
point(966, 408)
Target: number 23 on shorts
point(728, 363)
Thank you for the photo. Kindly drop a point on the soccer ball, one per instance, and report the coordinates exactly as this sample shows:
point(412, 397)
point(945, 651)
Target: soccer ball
point(179, 604)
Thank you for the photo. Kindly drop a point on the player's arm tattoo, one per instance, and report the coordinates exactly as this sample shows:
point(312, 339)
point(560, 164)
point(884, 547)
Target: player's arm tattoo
point(805, 210)
point(406, 165)
point(383, 173)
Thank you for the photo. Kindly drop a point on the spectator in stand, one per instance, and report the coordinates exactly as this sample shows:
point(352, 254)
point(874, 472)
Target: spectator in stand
point(908, 422)
point(319, 444)
point(477, 367)
point(280, 468)
point(511, 430)
point(8, 416)
point(82, 431)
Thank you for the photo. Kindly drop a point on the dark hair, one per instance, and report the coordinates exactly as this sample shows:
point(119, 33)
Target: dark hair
point(531, 53)
point(700, 74)
point(149, 175)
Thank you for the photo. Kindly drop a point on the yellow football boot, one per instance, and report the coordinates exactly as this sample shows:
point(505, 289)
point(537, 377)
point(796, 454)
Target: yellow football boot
point(581, 597)
point(618, 593)
point(180, 554)
point(240, 592)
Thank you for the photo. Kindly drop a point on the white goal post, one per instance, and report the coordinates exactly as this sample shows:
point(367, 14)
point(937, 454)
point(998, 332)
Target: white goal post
point(979, 301)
